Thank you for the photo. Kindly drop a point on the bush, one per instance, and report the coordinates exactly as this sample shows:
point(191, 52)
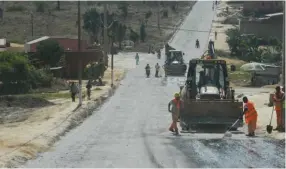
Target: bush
point(18, 76)
point(15, 8)
point(40, 78)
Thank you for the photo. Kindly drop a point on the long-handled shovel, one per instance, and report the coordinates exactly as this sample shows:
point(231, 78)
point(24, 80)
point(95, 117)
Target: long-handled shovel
point(269, 128)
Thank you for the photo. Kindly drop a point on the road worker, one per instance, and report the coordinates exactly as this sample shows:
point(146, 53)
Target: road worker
point(278, 99)
point(250, 115)
point(176, 106)
point(137, 59)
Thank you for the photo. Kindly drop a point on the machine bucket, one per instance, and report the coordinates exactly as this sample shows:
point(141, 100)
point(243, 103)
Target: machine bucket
point(219, 112)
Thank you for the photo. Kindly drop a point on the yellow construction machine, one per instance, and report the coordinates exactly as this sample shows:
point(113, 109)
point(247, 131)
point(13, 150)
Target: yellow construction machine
point(207, 96)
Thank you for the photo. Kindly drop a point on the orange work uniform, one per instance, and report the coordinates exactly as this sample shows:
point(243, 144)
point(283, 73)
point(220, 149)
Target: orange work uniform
point(278, 107)
point(250, 116)
point(176, 106)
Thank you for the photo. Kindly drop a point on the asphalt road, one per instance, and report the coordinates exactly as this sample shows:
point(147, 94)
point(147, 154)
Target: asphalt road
point(130, 130)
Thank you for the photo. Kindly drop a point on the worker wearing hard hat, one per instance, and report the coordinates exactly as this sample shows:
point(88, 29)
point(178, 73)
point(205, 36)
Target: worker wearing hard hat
point(278, 103)
point(176, 106)
point(250, 115)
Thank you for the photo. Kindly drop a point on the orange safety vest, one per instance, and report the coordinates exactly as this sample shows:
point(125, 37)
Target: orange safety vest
point(208, 57)
point(278, 104)
point(177, 102)
point(251, 113)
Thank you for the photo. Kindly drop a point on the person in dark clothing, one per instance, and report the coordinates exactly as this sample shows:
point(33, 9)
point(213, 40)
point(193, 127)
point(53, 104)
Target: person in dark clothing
point(88, 89)
point(74, 91)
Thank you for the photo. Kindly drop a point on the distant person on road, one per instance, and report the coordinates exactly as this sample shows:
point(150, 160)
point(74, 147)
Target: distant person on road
point(250, 115)
point(175, 106)
point(73, 90)
point(278, 100)
point(88, 89)
point(215, 34)
point(157, 69)
point(137, 59)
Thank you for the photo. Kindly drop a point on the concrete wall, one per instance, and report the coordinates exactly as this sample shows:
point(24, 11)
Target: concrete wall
point(265, 7)
point(264, 29)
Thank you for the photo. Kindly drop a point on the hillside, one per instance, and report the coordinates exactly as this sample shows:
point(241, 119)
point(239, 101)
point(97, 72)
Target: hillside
point(16, 25)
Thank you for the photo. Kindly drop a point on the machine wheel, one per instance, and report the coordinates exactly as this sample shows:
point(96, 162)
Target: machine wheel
point(185, 128)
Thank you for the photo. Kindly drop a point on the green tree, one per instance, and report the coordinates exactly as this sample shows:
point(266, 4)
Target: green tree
point(123, 6)
point(50, 52)
point(40, 6)
point(142, 32)
point(92, 22)
point(121, 32)
point(133, 35)
point(147, 16)
point(58, 5)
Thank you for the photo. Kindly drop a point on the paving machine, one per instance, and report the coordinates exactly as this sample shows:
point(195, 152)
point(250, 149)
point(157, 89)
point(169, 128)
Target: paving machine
point(207, 96)
point(174, 63)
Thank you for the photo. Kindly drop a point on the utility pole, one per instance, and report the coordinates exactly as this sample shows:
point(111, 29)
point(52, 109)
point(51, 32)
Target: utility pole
point(112, 62)
point(32, 23)
point(283, 63)
point(158, 16)
point(79, 50)
point(105, 37)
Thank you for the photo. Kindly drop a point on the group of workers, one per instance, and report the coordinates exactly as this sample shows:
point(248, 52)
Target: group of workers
point(250, 114)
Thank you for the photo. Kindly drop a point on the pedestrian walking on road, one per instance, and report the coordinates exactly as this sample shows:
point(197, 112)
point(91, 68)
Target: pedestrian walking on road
point(157, 69)
point(73, 90)
point(175, 106)
point(137, 59)
point(250, 115)
point(278, 103)
point(88, 89)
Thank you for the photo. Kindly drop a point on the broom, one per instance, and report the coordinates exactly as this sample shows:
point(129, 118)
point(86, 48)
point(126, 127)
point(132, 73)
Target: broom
point(269, 128)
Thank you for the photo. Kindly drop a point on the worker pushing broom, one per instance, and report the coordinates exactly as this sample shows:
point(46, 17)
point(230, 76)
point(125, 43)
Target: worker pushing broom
point(175, 106)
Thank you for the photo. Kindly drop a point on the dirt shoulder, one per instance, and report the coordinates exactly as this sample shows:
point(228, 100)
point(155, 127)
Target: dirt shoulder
point(27, 131)
point(261, 101)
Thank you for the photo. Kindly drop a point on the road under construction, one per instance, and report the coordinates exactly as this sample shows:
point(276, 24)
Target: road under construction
point(131, 128)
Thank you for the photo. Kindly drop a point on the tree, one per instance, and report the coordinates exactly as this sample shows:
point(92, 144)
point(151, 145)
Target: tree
point(40, 6)
point(58, 5)
point(133, 35)
point(50, 52)
point(123, 6)
point(147, 16)
point(121, 33)
point(92, 22)
point(142, 32)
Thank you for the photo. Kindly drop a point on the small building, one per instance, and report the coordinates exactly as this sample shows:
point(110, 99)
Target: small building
point(262, 7)
point(269, 26)
point(68, 43)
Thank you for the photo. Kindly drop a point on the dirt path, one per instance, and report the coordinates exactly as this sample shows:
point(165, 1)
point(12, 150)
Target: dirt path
point(41, 127)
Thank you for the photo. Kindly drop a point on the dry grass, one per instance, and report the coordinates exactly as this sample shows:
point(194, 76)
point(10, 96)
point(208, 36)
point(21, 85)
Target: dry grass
point(238, 77)
point(16, 25)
